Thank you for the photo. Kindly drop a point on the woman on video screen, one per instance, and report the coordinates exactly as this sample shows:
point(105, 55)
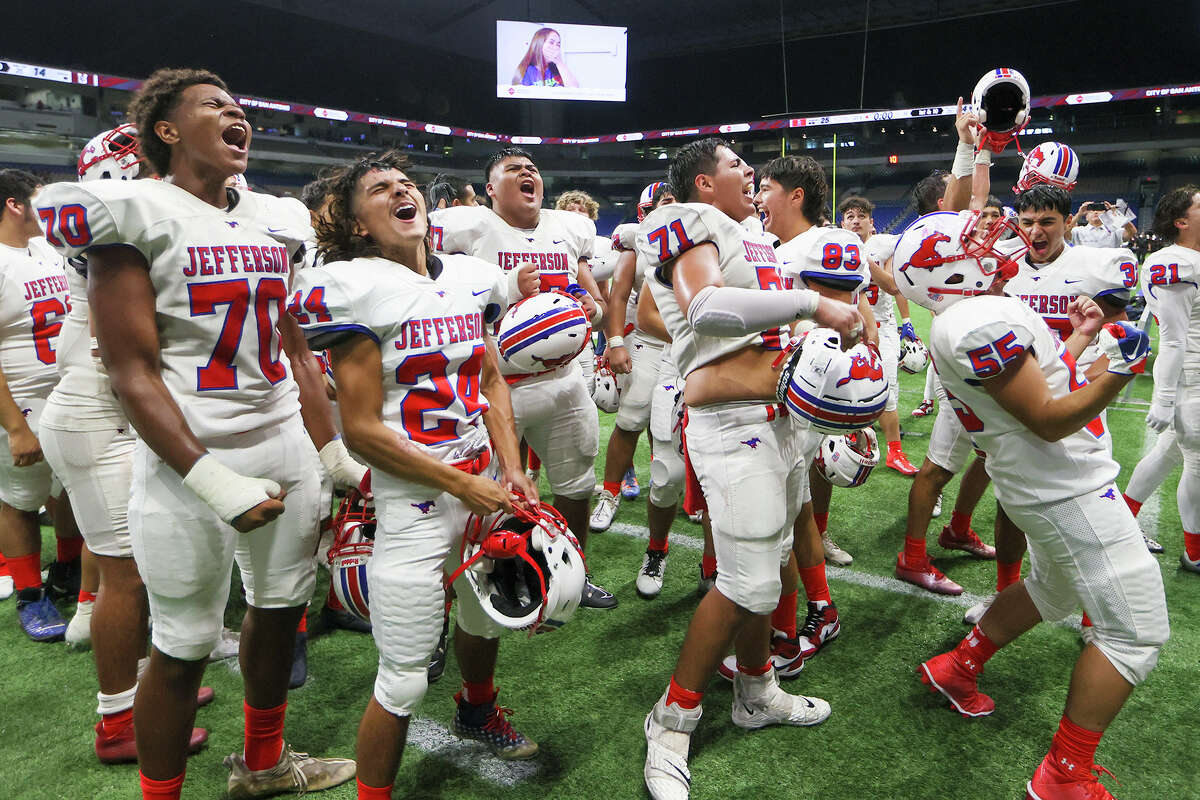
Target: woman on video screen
point(543, 64)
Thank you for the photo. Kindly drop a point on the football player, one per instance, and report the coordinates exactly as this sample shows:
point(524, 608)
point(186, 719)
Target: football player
point(580, 202)
point(718, 288)
point(447, 190)
point(1015, 386)
point(187, 282)
point(1172, 277)
point(539, 250)
point(378, 284)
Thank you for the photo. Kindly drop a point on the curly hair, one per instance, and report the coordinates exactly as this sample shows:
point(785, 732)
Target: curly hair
point(314, 192)
point(1174, 205)
point(156, 100)
point(337, 238)
point(801, 172)
point(578, 197)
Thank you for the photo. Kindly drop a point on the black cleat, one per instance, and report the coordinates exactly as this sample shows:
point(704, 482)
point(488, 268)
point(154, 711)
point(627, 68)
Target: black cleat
point(595, 596)
point(299, 661)
point(339, 618)
point(437, 664)
point(62, 579)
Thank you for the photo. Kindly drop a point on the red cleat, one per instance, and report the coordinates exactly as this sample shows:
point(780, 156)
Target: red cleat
point(924, 574)
point(1062, 782)
point(204, 696)
point(122, 748)
point(923, 410)
point(957, 684)
point(899, 462)
point(971, 543)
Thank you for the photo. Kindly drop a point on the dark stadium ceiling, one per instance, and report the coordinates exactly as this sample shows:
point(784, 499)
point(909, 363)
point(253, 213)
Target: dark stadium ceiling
point(672, 27)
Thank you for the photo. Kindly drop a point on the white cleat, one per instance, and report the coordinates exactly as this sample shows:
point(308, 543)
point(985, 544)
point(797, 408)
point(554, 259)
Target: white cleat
point(227, 646)
point(79, 629)
point(976, 612)
point(834, 554)
point(937, 506)
point(605, 510)
point(6, 587)
point(650, 577)
point(668, 736)
point(758, 702)
point(294, 772)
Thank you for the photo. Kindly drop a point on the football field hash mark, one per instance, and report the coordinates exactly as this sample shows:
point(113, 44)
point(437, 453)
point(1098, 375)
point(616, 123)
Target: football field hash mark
point(431, 738)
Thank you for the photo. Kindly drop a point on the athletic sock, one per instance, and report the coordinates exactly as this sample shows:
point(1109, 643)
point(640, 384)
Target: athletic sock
point(478, 694)
point(69, 549)
point(4, 566)
point(914, 550)
point(302, 626)
point(264, 736)
point(960, 524)
point(1134, 505)
point(613, 488)
point(754, 672)
point(532, 461)
point(657, 547)
point(113, 724)
point(822, 520)
point(783, 618)
point(708, 565)
point(1191, 543)
point(684, 698)
point(974, 651)
point(816, 587)
point(1073, 750)
point(374, 792)
point(170, 789)
point(1007, 574)
point(86, 596)
point(26, 571)
point(1086, 622)
point(115, 710)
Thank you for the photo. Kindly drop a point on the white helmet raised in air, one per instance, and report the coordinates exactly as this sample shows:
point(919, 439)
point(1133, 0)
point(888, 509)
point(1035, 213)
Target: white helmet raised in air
point(543, 331)
point(1050, 162)
point(846, 460)
point(111, 155)
point(1001, 101)
point(834, 390)
point(913, 356)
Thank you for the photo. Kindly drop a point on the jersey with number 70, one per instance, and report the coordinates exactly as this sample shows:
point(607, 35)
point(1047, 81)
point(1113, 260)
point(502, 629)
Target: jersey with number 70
point(221, 279)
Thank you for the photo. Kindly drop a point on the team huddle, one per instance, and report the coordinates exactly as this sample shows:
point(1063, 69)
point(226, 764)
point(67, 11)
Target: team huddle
point(204, 368)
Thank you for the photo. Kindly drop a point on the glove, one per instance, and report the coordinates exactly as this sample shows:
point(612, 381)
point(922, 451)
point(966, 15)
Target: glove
point(343, 469)
point(226, 492)
point(907, 331)
point(1160, 416)
point(1126, 346)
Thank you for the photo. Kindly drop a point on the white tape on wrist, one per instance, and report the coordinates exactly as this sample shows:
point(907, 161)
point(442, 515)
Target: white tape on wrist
point(616, 341)
point(226, 492)
point(964, 160)
point(983, 157)
point(340, 465)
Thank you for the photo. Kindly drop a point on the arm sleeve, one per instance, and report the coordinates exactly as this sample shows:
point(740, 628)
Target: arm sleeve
point(1172, 305)
point(731, 312)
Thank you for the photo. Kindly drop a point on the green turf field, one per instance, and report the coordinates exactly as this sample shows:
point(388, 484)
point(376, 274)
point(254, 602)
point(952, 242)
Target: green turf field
point(582, 692)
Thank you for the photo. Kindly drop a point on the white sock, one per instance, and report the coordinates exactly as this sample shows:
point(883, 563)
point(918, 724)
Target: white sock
point(115, 703)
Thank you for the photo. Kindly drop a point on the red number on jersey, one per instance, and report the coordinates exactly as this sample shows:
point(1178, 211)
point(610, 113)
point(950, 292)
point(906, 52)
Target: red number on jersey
point(770, 279)
point(662, 238)
point(314, 303)
point(1060, 326)
point(270, 294)
point(1096, 426)
point(220, 372)
point(1129, 270)
point(966, 416)
point(872, 293)
point(1164, 274)
point(555, 281)
point(47, 322)
point(436, 232)
point(70, 222)
point(991, 359)
point(419, 402)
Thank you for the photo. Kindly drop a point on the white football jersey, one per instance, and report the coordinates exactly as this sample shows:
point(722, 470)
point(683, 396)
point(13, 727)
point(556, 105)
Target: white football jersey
point(1171, 277)
point(747, 260)
point(1078, 271)
point(604, 258)
point(831, 252)
point(977, 338)
point(34, 300)
point(221, 279)
point(556, 245)
point(430, 331)
point(879, 249)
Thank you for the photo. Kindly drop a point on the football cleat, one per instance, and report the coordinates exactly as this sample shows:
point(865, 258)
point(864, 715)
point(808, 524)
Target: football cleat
point(976, 612)
point(38, 617)
point(759, 702)
point(924, 409)
point(697, 517)
point(898, 461)
point(821, 626)
point(299, 661)
point(629, 485)
point(834, 554)
point(294, 772)
point(333, 618)
point(79, 629)
point(437, 662)
point(937, 507)
point(605, 510)
point(650, 578)
point(668, 736)
point(62, 579)
point(706, 582)
point(122, 749)
point(924, 574)
point(595, 596)
point(488, 723)
point(1061, 782)
point(6, 587)
point(227, 646)
point(1189, 564)
point(971, 543)
point(1153, 545)
point(957, 684)
point(787, 657)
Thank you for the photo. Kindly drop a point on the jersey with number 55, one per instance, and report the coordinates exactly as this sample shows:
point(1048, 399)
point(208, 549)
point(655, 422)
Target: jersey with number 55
point(747, 260)
point(221, 279)
point(977, 339)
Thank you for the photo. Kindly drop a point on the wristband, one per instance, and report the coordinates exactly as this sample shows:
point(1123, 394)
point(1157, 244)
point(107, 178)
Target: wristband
point(984, 158)
point(616, 341)
point(964, 160)
point(226, 492)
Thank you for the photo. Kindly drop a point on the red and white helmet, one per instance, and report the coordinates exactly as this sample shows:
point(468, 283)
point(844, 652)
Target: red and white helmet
point(354, 539)
point(847, 460)
point(646, 201)
point(607, 387)
point(914, 358)
point(526, 568)
point(111, 155)
point(1001, 102)
point(1050, 162)
point(940, 258)
point(543, 331)
point(834, 390)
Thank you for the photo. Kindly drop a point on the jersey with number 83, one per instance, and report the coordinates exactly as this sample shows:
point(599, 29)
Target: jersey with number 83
point(221, 279)
point(977, 339)
point(747, 260)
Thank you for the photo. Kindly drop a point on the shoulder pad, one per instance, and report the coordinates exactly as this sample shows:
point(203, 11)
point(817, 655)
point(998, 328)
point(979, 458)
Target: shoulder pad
point(673, 229)
point(984, 338)
point(78, 216)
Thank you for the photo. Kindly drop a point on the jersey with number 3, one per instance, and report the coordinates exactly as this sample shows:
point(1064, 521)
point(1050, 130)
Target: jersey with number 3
point(34, 300)
point(430, 331)
point(1171, 278)
point(221, 280)
point(747, 260)
point(977, 339)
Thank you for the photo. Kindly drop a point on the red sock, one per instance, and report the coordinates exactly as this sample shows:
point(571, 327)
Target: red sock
point(1134, 505)
point(822, 520)
point(1087, 621)
point(532, 461)
point(684, 698)
point(26, 571)
point(658, 547)
point(4, 566)
point(86, 597)
point(478, 694)
point(113, 724)
point(914, 550)
point(816, 588)
point(374, 792)
point(613, 488)
point(1007, 574)
point(1073, 750)
point(783, 618)
point(69, 549)
point(960, 524)
point(708, 565)
point(264, 735)
point(756, 672)
point(975, 650)
point(302, 627)
point(169, 789)
point(1191, 543)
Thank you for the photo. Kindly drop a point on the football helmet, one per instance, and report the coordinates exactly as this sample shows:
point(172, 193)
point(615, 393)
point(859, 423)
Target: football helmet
point(940, 258)
point(1050, 162)
point(1001, 102)
point(110, 155)
point(848, 459)
point(607, 387)
point(526, 567)
point(646, 201)
point(913, 356)
point(833, 390)
point(354, 539)
point(543, 331)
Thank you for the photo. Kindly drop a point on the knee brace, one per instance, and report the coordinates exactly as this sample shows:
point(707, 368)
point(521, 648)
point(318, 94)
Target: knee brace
point(666, 475)
point(400, 688)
